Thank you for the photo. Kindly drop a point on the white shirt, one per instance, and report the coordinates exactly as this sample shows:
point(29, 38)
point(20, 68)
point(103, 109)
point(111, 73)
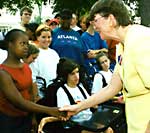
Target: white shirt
point(98, 83)
point(76, 28)
point(62, 99)
point(19, 26)
point(3, 55)
point(45, 65)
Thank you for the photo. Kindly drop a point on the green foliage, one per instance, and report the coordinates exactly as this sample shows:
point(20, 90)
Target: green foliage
point(80, 7)
point(14, 5)
point(37, 19)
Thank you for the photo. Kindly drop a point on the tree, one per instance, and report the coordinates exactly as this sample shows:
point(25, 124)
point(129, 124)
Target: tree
point(141, 10)
point(77, 6)
point(14, 5)
point(144, 10)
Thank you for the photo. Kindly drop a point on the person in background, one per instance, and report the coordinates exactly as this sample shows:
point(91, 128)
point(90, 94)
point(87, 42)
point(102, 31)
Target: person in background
point(30, 30)
point(57, 16)
point(92, 45)
point(33, 52)
point(53, 23)
point(16, 95)
point(74, 22)
point(131, 75)
point(25, 16)
point(112, 52)
point(46, 63)
point(47, 21)
point(66, 41)
point(82, 23)
point(103, 77)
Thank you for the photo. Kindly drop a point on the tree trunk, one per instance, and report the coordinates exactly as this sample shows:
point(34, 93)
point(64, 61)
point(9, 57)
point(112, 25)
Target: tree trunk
point(40, 12)
point(144, 6)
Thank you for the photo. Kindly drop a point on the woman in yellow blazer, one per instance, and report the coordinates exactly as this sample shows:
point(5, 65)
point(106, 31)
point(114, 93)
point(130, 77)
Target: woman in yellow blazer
point(132, 72)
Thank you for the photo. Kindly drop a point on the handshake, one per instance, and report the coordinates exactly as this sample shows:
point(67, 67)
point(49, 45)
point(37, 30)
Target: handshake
point(61, 114)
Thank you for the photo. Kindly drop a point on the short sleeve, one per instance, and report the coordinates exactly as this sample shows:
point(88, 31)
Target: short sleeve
point(97, 83)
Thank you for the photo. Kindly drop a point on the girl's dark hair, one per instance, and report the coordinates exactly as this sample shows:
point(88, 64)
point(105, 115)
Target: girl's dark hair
point(65, 67)
point(66, 14)
point(101, 54)
point(11, 36)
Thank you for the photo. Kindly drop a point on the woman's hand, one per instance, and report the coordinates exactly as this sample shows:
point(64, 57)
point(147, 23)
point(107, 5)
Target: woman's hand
point(71, 110)
point(148, 128)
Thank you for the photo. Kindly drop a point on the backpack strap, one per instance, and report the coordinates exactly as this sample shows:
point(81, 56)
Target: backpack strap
point(82, 91)
point(70, 96)
point(103, 80)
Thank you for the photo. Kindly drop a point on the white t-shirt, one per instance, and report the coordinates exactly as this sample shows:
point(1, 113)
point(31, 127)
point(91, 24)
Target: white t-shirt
point(76, 28)
point(3, 55)
point(98, 83)
point(45, 65)
point(19, 26)
point(62, 100)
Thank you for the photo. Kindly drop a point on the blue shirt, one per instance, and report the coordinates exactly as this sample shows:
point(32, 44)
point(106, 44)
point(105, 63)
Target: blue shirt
point(92, 42)
point(68, 44)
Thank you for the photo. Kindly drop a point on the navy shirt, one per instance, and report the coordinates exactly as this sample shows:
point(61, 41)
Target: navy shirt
point(92, 42)
point(68, 44)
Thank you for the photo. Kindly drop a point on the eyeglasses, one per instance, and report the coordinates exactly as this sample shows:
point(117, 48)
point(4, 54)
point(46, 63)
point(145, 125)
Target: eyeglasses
point(96, 20)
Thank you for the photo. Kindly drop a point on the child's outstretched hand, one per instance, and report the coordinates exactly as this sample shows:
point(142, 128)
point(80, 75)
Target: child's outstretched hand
point(54, 111)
